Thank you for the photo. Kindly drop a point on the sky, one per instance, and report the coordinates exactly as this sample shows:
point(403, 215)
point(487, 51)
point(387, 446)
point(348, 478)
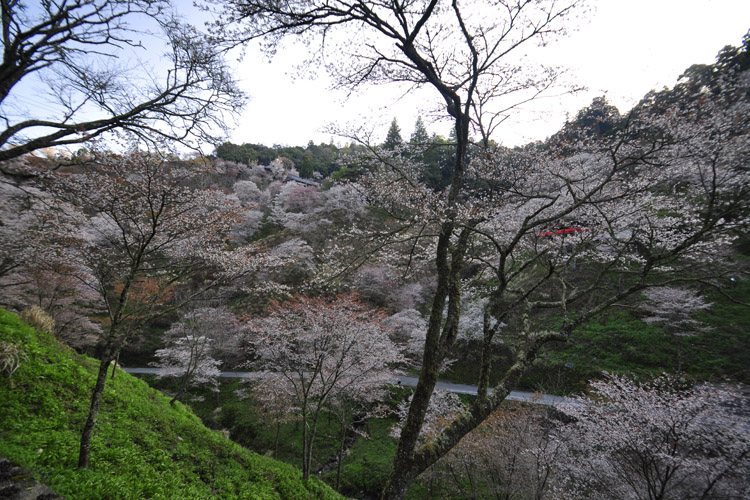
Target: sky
point(622, 50)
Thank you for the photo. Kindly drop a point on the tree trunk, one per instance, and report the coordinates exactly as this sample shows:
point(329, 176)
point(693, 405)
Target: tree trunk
point(305, 470)
point(181, 387)
point(311, 440)
point(276, 441)
point(114, 366)
point(96, 400)
point(176, 396)
point(440, 333)
point(341, 454)
point(407, 466)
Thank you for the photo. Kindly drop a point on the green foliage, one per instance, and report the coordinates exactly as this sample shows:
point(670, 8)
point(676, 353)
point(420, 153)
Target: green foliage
point(142, 447)
point(268, 228)
point(437, 156)
point(368, 462)
point(420, 135)
point(724, 350)
point(393, 137)
point(241, 418)
point(321, 158)
point(618, 341)
point(244, 154)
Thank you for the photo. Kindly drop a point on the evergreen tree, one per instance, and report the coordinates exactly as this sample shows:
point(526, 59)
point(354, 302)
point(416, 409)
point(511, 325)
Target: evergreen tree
point(420, 135)
point(393, 139)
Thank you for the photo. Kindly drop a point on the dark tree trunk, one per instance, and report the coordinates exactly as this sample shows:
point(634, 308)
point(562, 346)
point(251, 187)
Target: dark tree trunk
point(341, 454)
point(276, 441)
point(114, 365)
point(181, 387)
point(96, 400)
point(441, 333)
point(305, 451)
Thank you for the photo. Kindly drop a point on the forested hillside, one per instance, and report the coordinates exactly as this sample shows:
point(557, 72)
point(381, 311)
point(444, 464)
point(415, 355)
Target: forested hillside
point(608, 263)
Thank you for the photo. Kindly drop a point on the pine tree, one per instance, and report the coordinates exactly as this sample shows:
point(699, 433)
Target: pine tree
point(393, 139)
point(420, 134)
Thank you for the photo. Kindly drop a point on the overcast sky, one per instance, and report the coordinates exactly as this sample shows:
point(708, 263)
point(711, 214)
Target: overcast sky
point(623, 50)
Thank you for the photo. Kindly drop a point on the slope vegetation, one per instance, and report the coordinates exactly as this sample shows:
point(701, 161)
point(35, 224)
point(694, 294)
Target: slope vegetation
point(143, 447)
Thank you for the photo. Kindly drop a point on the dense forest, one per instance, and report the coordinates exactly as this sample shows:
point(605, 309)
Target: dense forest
point(329, 161)
point(606, 264)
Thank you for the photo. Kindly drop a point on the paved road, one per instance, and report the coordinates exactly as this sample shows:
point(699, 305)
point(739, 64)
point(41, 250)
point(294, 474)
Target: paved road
point(529, 397)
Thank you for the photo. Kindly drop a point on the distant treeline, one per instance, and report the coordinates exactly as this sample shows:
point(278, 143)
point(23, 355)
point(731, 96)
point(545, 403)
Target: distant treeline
point(330, 160)
point(321, 158)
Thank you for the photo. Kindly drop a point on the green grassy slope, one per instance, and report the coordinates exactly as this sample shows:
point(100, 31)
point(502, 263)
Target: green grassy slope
point(619, 341)
point(142, 447)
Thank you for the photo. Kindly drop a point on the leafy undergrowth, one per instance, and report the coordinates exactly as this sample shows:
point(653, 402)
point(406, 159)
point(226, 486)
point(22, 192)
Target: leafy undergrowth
point(619, 341)
point(367, 463)
point(142, 447)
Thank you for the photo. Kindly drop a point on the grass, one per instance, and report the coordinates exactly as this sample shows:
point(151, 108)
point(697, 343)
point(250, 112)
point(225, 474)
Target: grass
point(143, 448)
point(366, 464)
point(619, 341)
point(615, 341)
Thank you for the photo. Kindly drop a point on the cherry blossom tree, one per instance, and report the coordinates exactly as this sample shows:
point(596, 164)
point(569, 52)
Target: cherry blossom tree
point(408, 332)
point(295, 221)
point(511, 455)
point(317, 352)
point(300, 262)
point(662, 439)
point(444, 407)
point(27, 276)
point(342, 202)
point(299, 198)
point(62, 297)
point(310, 213)
point(197, 344)
point(21, 207)
point(250, 194)
point(471, 324)
point(299, 208)
point(662, 193)
point(188, 359)
point(564, 232)
point(674, 308)
point(134, 234)
point(376, 283)
point(243, 231)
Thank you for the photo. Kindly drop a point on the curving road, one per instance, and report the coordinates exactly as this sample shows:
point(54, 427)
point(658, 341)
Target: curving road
point(527, 397)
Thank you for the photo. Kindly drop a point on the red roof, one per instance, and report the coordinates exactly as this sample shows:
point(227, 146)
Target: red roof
point(564, 231)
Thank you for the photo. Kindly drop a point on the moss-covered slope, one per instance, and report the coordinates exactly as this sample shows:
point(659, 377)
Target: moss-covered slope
point(142, 447)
